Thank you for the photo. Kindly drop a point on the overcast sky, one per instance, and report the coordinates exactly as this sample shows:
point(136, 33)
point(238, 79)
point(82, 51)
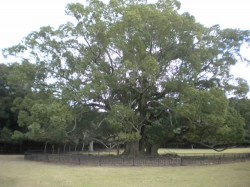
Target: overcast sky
point(20, 17)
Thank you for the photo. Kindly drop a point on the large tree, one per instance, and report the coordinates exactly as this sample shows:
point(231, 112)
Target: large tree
point(156, 74)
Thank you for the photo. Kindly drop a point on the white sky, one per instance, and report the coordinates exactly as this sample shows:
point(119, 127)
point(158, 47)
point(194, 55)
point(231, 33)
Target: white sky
point(20, 17)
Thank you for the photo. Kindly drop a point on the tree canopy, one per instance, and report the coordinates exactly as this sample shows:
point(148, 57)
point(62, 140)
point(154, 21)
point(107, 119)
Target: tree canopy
point(151, 74)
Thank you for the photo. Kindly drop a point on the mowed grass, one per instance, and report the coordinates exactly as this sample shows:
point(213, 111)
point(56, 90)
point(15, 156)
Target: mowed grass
point(17, 172)
point(191, 152)
point(180, 152)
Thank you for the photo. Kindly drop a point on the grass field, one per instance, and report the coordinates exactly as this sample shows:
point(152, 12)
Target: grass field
point(191, 152)
point(17, 172)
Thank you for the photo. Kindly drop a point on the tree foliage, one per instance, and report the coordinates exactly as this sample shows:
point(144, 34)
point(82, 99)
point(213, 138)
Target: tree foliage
point(242, 107)
point(8, 93)
point(157, 75)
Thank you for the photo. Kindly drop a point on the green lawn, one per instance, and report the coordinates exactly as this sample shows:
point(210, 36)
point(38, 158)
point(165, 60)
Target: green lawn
point(16, 172)
point(180, 152)
point(190, 152)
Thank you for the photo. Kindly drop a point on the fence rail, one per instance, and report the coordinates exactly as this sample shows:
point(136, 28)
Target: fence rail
point(111, 160)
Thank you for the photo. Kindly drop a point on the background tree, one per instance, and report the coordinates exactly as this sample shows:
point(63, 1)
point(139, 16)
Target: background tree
point(208, 120)
point(6, 116)
point(242, 108)
point(43, 119)
point(9, 91)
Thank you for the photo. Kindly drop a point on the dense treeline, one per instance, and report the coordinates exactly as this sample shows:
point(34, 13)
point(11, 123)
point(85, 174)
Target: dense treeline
point(126, 73)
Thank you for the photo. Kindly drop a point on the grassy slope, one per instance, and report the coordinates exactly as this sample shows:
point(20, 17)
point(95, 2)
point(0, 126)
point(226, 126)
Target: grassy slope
point(14, 171)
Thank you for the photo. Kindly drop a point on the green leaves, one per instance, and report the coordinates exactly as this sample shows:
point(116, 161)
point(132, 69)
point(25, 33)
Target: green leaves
point(50, 121)
point(124, 122)
point(43, 120)
point(206, 113)
point(75, 9)
point(5, 135)
point(233, 131)
point(150, 67)
point(124, 118)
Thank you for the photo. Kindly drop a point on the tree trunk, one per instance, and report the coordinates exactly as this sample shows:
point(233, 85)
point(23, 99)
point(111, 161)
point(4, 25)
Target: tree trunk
point(76, 147)
point(82, 147)
point(132, 149)
point(64, 148)
point(142, 142)
point(152, 149)
point(91, 146)
point(53, 149)
point(117, 149)
point(45, 147)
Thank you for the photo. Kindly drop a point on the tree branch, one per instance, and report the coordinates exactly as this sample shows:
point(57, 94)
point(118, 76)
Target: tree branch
point(213, 147)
